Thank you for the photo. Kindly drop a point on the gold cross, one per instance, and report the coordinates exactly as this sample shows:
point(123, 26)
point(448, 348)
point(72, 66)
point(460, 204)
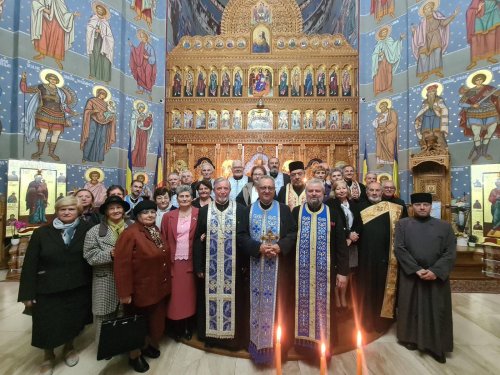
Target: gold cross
point(269, 238)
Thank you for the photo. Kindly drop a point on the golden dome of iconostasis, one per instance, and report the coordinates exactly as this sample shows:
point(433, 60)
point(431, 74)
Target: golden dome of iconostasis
point(261, 88)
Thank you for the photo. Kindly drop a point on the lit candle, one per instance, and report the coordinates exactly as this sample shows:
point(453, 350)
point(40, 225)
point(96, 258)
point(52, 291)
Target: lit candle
point(278, 351)
point(359, 355)
point(322, 363)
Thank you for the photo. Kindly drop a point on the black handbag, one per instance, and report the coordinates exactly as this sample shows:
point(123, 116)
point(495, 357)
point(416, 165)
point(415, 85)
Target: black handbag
point(121, 335)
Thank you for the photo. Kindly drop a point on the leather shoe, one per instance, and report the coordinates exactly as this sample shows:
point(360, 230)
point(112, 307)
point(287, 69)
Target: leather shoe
point(438, 358)
point(150, 352)
point(139, 364)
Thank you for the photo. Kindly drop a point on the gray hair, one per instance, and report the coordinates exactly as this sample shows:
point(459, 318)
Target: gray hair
point(335, 170)
point(265, 177)
point(183, 189)
point(219, 180)
point(315, 181)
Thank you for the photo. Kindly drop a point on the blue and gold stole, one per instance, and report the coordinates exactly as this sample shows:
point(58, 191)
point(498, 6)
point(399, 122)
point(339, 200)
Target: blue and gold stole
point(263, 281)
point(220, 278)
point(312, 275)
point(293, 200)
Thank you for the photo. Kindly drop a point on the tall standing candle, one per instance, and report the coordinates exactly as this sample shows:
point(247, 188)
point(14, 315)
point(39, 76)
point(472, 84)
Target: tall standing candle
point(359, 355)
point(278, 351)
point(322, 361)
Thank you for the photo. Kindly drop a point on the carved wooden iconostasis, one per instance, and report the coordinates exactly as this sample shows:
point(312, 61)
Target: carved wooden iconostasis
point(261, 88)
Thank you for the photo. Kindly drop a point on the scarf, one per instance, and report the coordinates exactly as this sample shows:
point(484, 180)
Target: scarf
point(155, 235)
point(348, 214)
point(68, 230)
point(116, 228)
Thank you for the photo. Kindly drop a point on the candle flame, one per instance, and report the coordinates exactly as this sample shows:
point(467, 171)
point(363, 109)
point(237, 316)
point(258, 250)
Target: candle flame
point(278, 334)
point(323, 349)
point(359, 340)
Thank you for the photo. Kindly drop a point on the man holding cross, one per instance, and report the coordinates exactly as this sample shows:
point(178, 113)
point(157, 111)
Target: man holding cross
point(267, 235)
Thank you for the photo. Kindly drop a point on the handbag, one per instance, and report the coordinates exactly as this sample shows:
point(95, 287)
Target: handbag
point(122, 334)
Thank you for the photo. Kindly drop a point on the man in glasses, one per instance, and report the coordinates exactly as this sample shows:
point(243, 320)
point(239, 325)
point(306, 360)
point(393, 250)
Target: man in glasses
point(389, 195)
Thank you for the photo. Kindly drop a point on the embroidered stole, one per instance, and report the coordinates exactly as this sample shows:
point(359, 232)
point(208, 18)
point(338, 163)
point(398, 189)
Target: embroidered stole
point(279, 181)
point(355, 188)
point(263, 285)
point(312, 277)
point(367, 215)
point(220, 278)
point(293, 200)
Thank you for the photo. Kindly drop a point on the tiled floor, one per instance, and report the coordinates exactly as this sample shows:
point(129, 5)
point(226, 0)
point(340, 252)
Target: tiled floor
point(477, 349)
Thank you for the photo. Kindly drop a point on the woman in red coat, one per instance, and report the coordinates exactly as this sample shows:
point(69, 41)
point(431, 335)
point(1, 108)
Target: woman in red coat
point(142, 276)
point(178, 228)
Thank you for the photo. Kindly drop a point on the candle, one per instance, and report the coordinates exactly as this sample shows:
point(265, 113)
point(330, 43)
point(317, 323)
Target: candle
point(322, 363)
point(359, 355)
point(278, 351)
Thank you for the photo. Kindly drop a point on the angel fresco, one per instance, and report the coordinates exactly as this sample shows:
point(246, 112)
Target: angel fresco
point(144, 10)
point(52, 29)
point(48, 110)
point(385, 59)
point(99, 125)
point(100, 43)
point(141, 131)
point(430, 39)
point(143, 63)
point(480, 112)
point(483, 22)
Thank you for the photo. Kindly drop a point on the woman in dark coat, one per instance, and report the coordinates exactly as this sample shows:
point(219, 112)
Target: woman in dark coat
point(56, 283)
point(99, 250)
point(204, 189)
point(352, 223)
point(142, 276)
point(86, 200)
point(248, 193)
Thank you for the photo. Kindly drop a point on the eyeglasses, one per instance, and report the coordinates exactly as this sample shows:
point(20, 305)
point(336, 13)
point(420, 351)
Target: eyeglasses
point(266, 188)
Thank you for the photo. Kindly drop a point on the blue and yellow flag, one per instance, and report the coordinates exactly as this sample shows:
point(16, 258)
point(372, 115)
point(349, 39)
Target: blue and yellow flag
point(128, 173)
point(365, 165)
point(158, 182)
point(395, 169)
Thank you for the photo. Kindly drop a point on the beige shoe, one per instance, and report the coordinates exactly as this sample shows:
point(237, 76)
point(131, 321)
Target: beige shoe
point(71, 358)
point(47, 367)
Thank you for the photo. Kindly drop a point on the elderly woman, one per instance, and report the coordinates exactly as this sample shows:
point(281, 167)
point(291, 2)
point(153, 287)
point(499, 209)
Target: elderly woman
point(248, 195)
point(143, 281)
point(351, 221)
point(56, 283)
point(86, 200)
point(99, 250)
point(204, 189)
point(161, 197)
point(178, 228)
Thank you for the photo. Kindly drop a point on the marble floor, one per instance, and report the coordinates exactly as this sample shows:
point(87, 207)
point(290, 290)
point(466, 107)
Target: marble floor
point(477, 348)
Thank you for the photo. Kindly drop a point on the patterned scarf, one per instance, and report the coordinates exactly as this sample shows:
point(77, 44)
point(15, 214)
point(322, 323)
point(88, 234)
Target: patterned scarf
point(68, 230)
point(116, 228)
point(155, 235)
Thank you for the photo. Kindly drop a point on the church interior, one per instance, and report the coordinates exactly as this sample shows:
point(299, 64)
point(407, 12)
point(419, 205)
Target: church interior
point(406, 90)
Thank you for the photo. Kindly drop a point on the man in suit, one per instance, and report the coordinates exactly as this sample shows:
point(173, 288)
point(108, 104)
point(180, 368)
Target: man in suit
point(281, 179)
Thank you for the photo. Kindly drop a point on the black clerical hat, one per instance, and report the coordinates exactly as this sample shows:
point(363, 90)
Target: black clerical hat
point(421, 198)
point(294, 165)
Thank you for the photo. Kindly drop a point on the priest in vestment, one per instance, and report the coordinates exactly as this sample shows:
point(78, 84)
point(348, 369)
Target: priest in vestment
point(321, 262)
point(222, 305)
point(267, 236)
point(377, 270)
point(426, 252)
point(294, 193)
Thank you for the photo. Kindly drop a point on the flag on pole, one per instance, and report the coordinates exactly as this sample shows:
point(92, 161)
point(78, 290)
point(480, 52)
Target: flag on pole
point(158, 182)
point(128, 175)
point(365, 165)
point(395, 169)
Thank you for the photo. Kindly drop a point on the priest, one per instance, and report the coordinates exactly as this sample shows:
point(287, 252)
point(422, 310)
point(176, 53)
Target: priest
point(426, 251)
point(293, 194)
point(267, 235)
point(222, 309)
point(377, 270)
point(321, 262)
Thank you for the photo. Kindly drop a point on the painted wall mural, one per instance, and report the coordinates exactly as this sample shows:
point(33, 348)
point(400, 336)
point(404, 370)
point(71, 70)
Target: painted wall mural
point(435, 64)
point(84, 76)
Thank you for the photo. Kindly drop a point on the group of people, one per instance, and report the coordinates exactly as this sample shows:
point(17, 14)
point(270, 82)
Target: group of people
point(235, 258)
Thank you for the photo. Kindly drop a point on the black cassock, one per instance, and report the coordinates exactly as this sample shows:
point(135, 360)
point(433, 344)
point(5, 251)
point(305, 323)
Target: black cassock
point(242, 298)
point(373, 262)
point(286, 242)
point(424, 307)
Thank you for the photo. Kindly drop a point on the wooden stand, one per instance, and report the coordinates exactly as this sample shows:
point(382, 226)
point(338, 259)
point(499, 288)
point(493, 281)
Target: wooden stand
point(16, 259)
